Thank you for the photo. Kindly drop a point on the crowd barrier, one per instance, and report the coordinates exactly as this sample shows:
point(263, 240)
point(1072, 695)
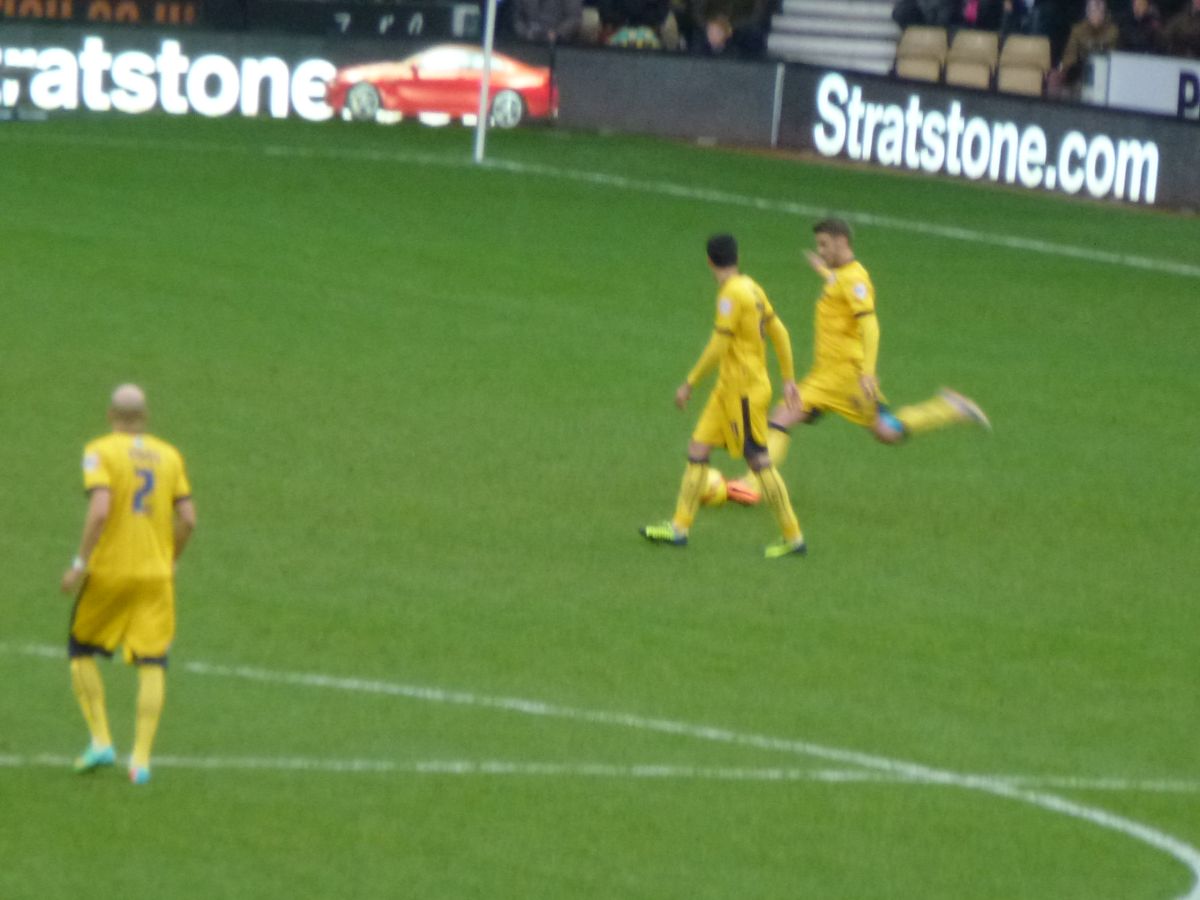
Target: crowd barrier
point(1071, 149)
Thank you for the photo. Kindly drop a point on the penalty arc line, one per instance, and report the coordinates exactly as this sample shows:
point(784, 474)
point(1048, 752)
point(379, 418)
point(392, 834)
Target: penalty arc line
point(1181, 851)
point(662, 188)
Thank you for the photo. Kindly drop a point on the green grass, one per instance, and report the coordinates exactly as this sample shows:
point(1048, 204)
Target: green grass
point(425, 408)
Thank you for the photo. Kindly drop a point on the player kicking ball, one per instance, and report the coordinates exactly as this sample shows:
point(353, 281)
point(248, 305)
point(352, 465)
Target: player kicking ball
point(843, 377)
point(735, 416)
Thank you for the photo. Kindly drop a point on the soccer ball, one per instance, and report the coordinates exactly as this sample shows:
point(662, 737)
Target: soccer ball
point(714, 491)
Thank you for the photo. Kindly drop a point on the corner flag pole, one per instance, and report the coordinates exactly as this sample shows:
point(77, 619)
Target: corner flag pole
point(489, 36)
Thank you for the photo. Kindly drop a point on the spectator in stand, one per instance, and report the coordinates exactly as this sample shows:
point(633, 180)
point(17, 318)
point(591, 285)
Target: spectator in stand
point(1054, 19)
point(936, 13)
point(733, 27)
point(989, 15)
point(1181, 37)
point(547, 21)
point(985, 15)
point(633, 23)
point(1140, 29)
point(1096, 33)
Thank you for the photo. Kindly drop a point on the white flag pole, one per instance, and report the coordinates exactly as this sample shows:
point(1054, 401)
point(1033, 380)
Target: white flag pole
point(489, 35)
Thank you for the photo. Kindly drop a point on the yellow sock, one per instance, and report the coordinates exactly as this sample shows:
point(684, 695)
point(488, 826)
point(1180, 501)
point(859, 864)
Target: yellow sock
point(776, 494)
point(89, 691)
point(778, 444)
point(151, 692)
point(695, 477)
point(934, 413)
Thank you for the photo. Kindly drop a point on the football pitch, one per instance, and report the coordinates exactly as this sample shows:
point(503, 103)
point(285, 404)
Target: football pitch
point(425, 405)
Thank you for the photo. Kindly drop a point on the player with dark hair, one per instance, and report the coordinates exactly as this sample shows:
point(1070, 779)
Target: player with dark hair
point(735, 416)
point(843, 377)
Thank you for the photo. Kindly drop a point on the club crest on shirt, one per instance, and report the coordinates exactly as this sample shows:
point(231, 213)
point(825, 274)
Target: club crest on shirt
point(860, 291)
point(725, 306)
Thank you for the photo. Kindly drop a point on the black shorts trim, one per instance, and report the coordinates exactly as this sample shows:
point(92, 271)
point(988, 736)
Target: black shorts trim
point(150, 661)
point(77, 649)
point(749, 444)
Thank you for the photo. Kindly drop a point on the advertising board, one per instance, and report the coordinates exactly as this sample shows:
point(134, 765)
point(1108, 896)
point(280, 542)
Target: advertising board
point(52, 70)
point(1026, 143)
point(980, 136)
point(1167, 86)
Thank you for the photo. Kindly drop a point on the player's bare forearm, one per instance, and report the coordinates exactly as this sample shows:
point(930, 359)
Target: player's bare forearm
point(185, 524)
point(818, 265)
point(93, 526)
point(791, 396)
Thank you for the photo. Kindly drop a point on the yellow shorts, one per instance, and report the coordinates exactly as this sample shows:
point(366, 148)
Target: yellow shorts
point(838, 390)
point(113, 612)
point(735, 422)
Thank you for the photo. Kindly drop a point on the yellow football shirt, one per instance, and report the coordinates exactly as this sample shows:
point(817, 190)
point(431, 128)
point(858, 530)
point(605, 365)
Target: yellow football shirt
point(848, 295)
point(145, 477)
point(743, 312)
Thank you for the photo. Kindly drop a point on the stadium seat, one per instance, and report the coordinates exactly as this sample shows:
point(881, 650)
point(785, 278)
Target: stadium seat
point(1021, 80)
point(1024, 62)
point(972, 58)
point(1031, 51)
point(921, 53)
point(919, 68)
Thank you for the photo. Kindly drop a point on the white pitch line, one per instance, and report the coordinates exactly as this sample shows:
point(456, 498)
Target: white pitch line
point(634, 772)
point(807, 210)
point(1179, 850)
point(487, 767)
point(660, 188)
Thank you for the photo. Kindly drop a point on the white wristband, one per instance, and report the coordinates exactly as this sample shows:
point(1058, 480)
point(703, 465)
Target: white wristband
point(78, 564)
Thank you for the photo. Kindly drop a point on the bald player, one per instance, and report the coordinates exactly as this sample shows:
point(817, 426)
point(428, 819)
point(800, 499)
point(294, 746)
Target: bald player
point(139, 518)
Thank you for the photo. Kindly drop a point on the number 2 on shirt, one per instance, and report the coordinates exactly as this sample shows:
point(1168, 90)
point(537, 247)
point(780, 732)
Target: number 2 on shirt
point(139, 497)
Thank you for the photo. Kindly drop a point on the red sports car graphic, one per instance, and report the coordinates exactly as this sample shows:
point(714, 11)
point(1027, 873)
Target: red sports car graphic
point(443, 80)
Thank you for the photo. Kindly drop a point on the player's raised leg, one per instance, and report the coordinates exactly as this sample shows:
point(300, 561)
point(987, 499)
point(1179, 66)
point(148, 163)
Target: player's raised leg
point(944, 409)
